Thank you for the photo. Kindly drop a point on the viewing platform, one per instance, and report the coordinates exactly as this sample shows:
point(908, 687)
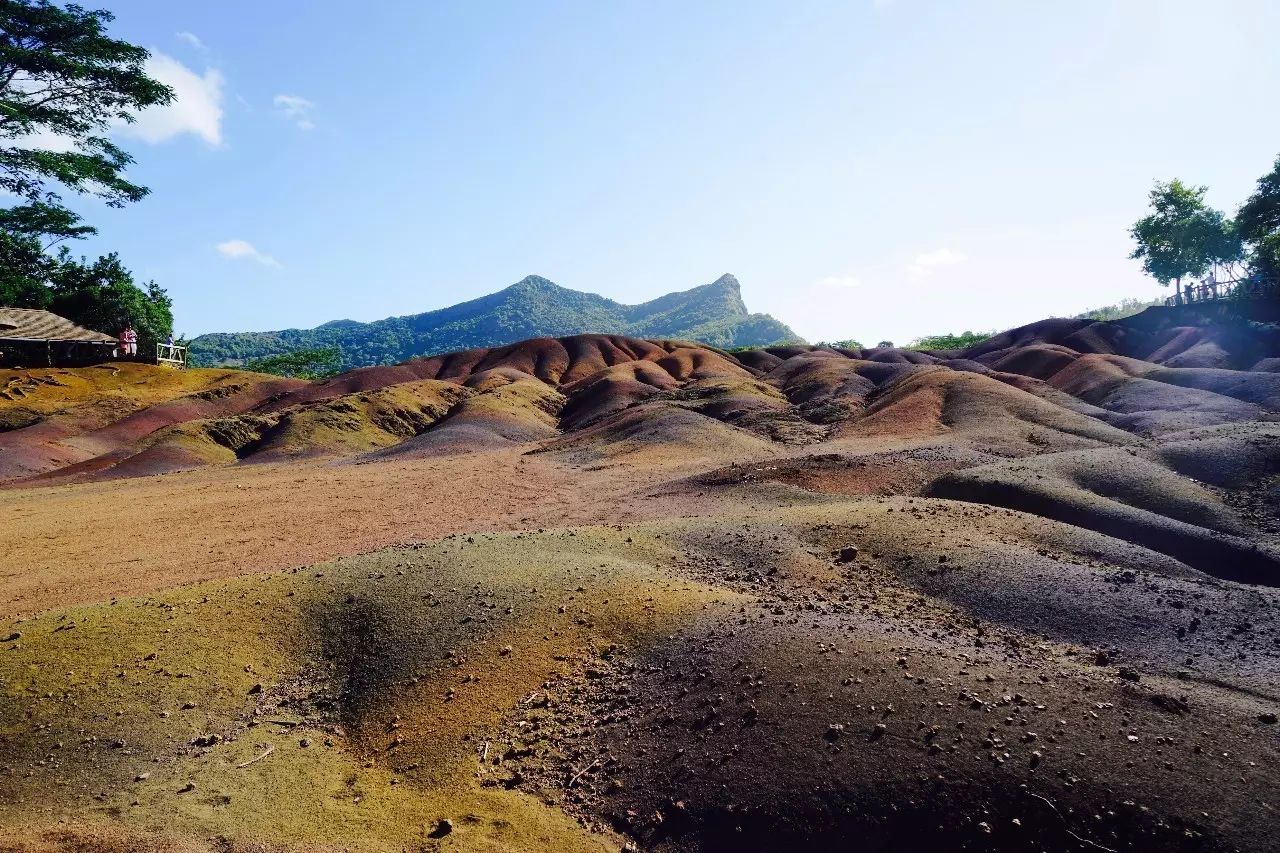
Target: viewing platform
point(1225, 291)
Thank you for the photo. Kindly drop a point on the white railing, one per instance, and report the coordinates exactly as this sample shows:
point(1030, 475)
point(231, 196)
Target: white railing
point(172, 355)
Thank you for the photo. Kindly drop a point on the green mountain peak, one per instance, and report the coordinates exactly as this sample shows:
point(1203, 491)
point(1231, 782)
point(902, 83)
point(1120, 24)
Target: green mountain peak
point(535, 306)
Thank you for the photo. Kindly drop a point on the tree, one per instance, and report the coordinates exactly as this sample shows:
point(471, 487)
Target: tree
point(1183, 236)
point(1120, 310)
point(964, 340)
point(24, 271)
point(63, 85)
point(1258, 223)
point(103, 296)
point(63, 78)
point(318, 363)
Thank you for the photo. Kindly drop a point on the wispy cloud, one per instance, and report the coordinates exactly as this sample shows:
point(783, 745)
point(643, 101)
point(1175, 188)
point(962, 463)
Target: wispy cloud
point(244, 250)
point(937, 258)
point(296, 109)
point(196, 107)
point(191, 39)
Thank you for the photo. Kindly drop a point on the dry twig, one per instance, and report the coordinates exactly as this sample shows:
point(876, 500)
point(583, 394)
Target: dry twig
point(270, 749)
point(1067, 827)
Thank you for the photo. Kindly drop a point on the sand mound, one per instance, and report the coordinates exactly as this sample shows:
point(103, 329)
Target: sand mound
point(612, 390)
point(81, 413)
point(514, 413)
point(355, 423)
point(683, 684)
point(996, 417)
point(1123, 495)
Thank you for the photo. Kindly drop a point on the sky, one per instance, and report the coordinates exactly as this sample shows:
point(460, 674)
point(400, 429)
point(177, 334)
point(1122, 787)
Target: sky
point(874, 169)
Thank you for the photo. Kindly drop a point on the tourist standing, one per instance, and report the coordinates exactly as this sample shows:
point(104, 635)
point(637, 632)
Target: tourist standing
point(129, 340)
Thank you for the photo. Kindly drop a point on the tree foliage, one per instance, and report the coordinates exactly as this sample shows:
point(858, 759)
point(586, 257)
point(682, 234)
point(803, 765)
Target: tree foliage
point(64, 84)
point(1120, 310)
point(317, 363)
point(960, 341)
point(24, 271)
point(100, 295)
point(533, 307)
point(1183, 236)
point(1258, 223)
point(63, 78)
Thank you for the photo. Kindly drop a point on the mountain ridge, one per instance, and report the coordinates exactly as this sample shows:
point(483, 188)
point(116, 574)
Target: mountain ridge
point(535, 306)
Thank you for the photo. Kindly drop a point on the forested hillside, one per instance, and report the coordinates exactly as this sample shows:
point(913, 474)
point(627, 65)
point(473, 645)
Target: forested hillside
point(533, 307)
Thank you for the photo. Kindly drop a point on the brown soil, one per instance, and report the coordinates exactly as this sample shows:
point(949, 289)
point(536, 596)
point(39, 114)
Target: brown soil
point(595, 593)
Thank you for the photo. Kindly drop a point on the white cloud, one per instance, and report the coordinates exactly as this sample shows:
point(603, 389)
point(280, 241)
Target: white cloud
point(244, 250)
point(196, 107)
point(937, 258)
point(47, 140)
point(191, 39)
point(841, 281)
point(296, 109)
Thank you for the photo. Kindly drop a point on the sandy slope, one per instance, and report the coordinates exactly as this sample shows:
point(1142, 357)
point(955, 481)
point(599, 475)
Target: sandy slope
point(597, 592)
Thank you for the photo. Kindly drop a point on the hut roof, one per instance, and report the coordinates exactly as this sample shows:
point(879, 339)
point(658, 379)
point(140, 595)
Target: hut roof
point(33, 324)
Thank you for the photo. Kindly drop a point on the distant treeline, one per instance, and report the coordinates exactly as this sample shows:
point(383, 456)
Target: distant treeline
point(1123, 308)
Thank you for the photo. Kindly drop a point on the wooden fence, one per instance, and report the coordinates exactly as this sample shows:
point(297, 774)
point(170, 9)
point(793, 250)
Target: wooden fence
point(1217, 291)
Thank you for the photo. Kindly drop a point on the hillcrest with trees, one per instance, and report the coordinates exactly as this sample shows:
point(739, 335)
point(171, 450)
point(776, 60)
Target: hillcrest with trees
point(63, 77)
point(1184, 238)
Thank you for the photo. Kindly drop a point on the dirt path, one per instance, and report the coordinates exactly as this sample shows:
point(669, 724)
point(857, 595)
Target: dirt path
point(72, 544)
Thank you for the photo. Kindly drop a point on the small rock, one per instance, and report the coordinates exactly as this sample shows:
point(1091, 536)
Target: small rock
point(443, 828)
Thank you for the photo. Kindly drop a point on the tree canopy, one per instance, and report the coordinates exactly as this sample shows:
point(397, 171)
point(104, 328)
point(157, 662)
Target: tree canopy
point(1259, 223)
point(1183, 236)
point(1120, 310)
point(63, 84)
point(949, 341)
point(100, 295)
point(317, 363)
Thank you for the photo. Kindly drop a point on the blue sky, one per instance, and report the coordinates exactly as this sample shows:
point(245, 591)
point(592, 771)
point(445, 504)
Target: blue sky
point(872, 169)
